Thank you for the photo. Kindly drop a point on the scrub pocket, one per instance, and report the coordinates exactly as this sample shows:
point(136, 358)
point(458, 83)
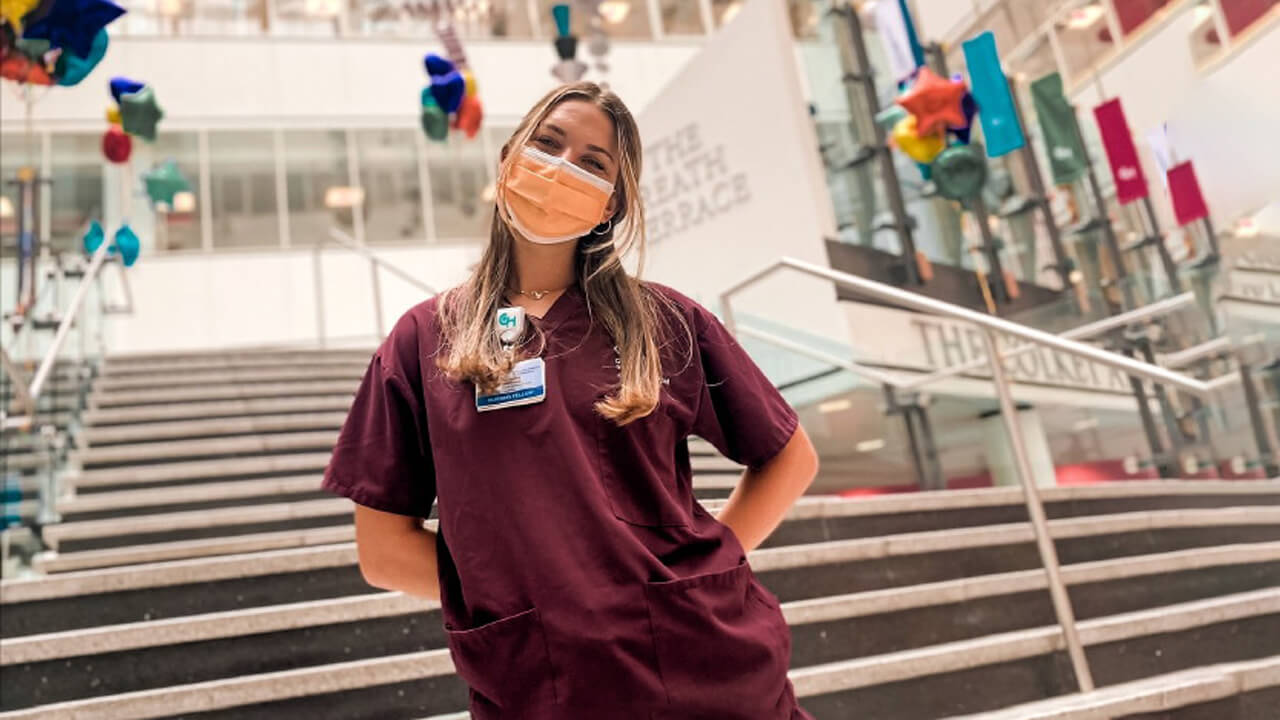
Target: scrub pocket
point(506, 662)
point(722, 645)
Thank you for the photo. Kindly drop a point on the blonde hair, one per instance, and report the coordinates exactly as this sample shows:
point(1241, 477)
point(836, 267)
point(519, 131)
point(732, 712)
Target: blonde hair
point(628, 309)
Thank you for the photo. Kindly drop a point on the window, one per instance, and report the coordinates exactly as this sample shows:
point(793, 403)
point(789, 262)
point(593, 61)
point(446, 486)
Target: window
point(76, 195)
point(459, 172)
point(388, 161)
point(179, 229)
point(242, 182)
point(315, 161)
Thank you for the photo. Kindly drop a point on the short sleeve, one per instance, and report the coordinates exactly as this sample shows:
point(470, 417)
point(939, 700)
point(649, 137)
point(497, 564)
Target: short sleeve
point(382, 458)
point(741, 413)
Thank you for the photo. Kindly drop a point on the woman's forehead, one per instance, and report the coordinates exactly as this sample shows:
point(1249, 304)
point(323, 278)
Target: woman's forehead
point(583, 122)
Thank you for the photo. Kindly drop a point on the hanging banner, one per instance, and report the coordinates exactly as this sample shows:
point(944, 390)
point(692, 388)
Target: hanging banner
point(1058, 125)
point(1131, 184)
point(898, 33)
point(1001, 131)
point(1184, 188)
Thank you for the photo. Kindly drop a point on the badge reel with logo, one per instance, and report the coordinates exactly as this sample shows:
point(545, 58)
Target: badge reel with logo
point(527, 383)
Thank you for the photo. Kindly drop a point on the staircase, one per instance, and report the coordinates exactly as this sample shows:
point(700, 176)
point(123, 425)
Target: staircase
point(200, 572)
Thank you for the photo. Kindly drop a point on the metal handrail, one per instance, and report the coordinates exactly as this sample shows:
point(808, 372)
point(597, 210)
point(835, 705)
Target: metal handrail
point(992, 327)
point(375, 263)
point(31, 394)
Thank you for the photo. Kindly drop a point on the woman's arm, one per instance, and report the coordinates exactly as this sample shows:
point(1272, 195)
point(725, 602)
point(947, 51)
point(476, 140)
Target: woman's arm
point(397, 553)
point(759, 502)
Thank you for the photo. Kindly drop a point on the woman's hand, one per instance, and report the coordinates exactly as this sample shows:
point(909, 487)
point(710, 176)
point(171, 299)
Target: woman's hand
point(760, 501)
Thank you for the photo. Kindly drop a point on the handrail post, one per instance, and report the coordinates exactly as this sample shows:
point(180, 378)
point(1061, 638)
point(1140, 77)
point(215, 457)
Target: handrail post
point(317, 275)
point(1035, 508)
point(377, 301)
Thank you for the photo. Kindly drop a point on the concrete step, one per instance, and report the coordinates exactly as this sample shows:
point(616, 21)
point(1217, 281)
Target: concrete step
point(234, 376)
point(137, 454)
point(1248, 690)
point(154, 415)
point(422, 681)
point(257, 391)
point(117, 365)
point(96, 437)
point(159, 474)
point(338, 629)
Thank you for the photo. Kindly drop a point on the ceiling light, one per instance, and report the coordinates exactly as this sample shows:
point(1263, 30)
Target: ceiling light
point(835, 406)
point(169, 8)
point(730, 12)
point(184, 202)
point(323, 8)
point(614, 11)
point(1083, 18)
point(343, 197)
point(1246, 228)
point(870, 445)
point(6, 207)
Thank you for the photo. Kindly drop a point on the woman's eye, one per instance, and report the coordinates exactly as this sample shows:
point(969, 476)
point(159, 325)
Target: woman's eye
point(592, 162)
point(545, 140)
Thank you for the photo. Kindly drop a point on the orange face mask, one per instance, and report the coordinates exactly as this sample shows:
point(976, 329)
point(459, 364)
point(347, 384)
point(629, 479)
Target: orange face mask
point(551, 200)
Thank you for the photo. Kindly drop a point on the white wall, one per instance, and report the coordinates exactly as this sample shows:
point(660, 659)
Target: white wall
point(203, 82)
point(1224, 119)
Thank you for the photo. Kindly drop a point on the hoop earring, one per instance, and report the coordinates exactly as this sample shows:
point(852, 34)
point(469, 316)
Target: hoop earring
point(607, 229)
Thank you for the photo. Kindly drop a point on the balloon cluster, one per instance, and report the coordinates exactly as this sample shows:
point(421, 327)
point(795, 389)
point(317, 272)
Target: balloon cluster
point(134, 114)
point(53, 42)
point(931, 121)
point(125, 243)
point(450, 100)
point(569, 68)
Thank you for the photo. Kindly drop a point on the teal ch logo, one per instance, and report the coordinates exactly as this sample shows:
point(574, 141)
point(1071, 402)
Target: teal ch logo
point(506, 320)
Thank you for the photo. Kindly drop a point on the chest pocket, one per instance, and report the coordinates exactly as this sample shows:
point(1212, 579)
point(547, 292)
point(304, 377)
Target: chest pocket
point(644, 465)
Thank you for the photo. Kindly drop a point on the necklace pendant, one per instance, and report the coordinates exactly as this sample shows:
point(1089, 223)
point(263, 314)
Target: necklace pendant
point(537, 294)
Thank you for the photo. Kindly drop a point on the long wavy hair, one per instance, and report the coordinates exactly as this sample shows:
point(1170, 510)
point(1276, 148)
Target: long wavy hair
point(633, 313)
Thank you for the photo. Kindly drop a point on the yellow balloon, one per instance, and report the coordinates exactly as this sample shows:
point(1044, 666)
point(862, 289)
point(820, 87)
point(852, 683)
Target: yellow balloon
point(113, 115)
point(921, 149)
point(15, 10)
point(470, 79)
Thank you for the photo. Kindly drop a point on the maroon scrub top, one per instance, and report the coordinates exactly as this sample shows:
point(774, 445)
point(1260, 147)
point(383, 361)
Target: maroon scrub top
point(579, 578)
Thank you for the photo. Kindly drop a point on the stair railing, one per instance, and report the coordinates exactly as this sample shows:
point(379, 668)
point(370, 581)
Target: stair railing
point(376, 263)
point(992, 328)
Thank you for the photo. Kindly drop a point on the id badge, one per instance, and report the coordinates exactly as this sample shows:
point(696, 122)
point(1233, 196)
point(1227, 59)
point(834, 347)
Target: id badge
point(526, 385)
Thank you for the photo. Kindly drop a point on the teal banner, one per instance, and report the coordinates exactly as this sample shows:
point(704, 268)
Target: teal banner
point(1001, 130)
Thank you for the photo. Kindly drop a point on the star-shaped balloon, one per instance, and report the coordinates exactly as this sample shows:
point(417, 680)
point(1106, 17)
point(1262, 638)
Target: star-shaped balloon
point(72, 24)
point(71, 69)
point(935, 102)
point(164, 182)
point(139, 113)
point(15, 10)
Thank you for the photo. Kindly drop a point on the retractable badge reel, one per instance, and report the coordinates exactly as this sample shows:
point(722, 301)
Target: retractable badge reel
point(527, 383)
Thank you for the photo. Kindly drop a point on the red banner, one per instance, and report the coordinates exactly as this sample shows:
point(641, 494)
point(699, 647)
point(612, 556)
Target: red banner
point(1188, 201)
point(1131, 184)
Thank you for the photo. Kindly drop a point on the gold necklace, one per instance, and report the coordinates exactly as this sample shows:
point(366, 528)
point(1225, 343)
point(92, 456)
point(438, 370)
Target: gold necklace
point(539, 294)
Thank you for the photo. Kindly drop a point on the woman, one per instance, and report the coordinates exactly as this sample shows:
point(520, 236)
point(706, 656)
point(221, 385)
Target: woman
point(578, 578)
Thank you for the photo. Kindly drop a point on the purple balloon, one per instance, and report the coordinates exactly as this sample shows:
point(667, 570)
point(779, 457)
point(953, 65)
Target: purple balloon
point(448, 90)
point(124, 86)
point(73, 24)
point(437, 65)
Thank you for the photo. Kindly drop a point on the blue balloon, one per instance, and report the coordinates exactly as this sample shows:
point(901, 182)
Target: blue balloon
point(72, 68)
point(124, 86)
point(448, 90)
point(93, 238)
point(128, 245)
point(437, 65)
point(73, 24)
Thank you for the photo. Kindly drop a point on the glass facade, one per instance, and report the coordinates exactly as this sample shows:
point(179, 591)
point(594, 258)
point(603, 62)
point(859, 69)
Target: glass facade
point(242, 179)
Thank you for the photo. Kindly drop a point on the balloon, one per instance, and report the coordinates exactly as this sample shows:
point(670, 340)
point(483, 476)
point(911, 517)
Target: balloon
point(921, 149)
point(890, 116)
point(21, 69)
point(113, 115)
point(567, 71)
point(470, 115)
point(15, 10)
point(560, 11)
point(73, 24)
point(164, 182)
point(448, 90)
point(93, 237)
point(122, 85)
point(72, 69)
point(127, 245)
point(437, 65)
point(139, 113)
point(935, 102)
point(117, 146)
point(435, 123)
point(469, 78)
point(959, 172)
point(970, 107)
point(428, 100)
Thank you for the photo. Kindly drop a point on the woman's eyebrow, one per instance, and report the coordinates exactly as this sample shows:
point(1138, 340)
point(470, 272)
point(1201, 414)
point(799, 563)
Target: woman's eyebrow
point(561, 132)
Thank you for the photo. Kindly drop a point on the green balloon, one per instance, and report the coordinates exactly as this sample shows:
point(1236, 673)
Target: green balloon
point(435, 123)
point(139, 113)
point(164, 182)
point(959, 172)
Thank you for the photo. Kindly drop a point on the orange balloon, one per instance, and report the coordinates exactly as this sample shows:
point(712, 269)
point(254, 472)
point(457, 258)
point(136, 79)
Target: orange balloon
point(19, 68)
point(469, 116)
point(935, 102)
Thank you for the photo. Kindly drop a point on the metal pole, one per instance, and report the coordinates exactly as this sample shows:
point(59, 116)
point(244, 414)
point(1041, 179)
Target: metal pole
point(989, 246)
point(1031, 494)
point(377, 301)
point(1214, 251)
point(888, 171)
point(1108, 231)
point(930, 448)
point(1028, 153)
point(1266, 454)
point(318, 281)
point(1166, 260)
